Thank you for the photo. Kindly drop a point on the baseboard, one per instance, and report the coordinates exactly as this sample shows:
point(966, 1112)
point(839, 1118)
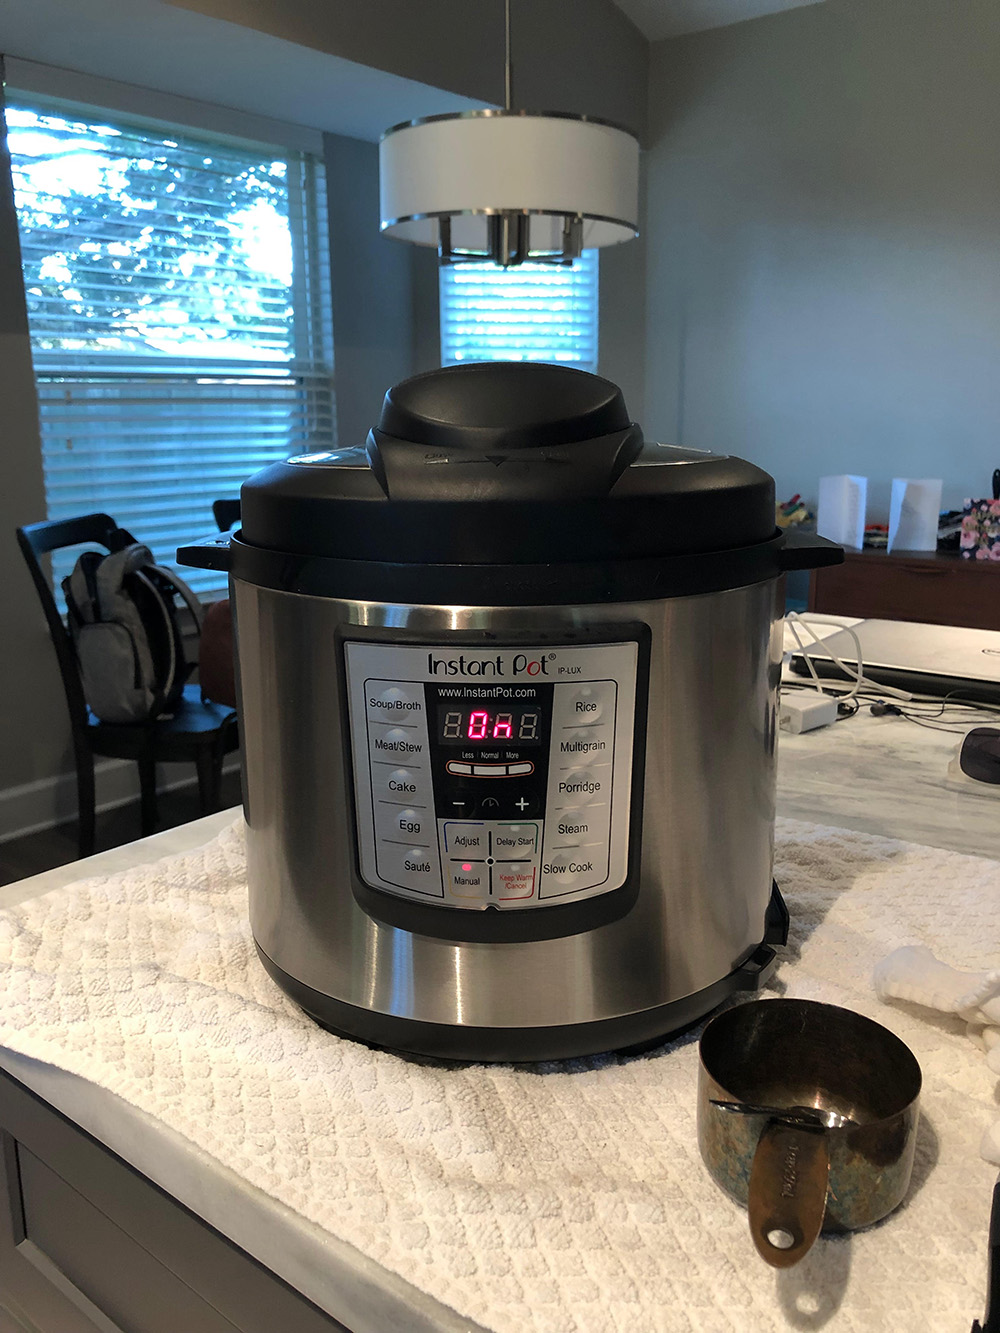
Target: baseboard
point(49, 801)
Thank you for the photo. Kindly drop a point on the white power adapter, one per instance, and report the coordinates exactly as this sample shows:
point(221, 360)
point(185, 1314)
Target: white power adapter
point(806, 711)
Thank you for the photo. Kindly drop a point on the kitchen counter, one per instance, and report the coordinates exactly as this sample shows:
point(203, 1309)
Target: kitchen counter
point(876, 775)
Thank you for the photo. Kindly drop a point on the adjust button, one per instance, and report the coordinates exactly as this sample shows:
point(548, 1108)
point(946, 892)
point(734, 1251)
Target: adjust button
point(462, 839)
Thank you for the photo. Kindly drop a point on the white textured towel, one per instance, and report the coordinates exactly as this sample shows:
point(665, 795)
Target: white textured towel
point(557, 1199)
point(913, 973)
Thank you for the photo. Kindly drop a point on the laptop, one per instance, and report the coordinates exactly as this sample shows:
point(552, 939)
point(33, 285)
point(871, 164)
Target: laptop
point(924, 659)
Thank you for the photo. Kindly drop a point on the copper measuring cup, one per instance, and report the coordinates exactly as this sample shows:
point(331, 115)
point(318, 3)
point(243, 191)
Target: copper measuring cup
point(807, 1113)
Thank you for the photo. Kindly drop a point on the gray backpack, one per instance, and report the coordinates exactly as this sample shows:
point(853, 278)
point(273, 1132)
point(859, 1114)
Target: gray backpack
point(123, 618)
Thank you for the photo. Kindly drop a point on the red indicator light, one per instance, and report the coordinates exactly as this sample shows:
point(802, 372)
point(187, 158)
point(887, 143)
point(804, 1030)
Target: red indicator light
point(467, 866)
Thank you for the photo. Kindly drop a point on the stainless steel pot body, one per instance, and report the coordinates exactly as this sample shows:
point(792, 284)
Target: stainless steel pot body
point(706, 834)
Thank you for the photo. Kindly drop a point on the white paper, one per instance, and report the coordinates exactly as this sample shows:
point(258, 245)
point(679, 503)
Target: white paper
point(913, 514)
point(840, 513)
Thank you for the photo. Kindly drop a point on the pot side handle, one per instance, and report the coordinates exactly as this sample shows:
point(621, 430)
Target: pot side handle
point(787, 1199)
point(805, 550)
point(210, 553)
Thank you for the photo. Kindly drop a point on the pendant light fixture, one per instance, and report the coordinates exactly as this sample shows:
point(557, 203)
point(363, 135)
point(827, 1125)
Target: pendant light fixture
point(509, 186)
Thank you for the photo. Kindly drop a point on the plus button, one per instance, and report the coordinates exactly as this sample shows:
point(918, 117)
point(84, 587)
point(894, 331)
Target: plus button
point(522, 804)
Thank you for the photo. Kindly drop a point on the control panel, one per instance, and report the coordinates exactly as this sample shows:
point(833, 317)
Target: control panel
point(492, 777)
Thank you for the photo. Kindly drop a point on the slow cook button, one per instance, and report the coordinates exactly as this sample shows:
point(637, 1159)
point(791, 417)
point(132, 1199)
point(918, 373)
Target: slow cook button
point(409, 868)
point(513, 879)
point(565, 873)
point(579, 788)
point(394, 703)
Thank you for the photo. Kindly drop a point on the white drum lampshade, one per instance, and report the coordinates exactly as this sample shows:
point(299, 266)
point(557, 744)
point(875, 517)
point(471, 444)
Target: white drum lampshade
point(509, 185)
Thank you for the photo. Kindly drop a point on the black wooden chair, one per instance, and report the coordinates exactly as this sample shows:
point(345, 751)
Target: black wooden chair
point(226, 514)
point(198, 731)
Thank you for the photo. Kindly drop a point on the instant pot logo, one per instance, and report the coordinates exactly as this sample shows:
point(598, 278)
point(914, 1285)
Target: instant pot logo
point(521, 665)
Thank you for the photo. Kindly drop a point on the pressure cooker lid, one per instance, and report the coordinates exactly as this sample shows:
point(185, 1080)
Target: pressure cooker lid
point(507, 463)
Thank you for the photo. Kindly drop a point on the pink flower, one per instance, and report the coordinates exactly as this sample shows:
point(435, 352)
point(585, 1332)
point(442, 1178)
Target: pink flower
point(983, 554)
point(995, 552)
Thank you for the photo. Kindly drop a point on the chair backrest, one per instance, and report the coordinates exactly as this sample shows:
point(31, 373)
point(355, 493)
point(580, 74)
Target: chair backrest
point(38, 539)
point(226, 514)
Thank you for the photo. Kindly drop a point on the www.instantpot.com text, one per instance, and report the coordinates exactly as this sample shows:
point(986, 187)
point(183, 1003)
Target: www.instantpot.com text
point(486, 692)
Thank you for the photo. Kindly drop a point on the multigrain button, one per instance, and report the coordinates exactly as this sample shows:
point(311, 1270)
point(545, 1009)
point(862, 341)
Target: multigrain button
point(586, 745)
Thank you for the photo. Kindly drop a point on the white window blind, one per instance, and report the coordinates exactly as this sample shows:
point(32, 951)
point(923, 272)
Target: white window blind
point(534, 312)
point(177, 290)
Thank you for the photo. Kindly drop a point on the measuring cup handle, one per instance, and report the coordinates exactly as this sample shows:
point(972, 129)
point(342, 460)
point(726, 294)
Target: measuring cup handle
point(787, 1198)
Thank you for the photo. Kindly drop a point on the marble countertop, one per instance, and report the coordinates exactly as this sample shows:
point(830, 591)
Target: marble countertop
point(880, 775)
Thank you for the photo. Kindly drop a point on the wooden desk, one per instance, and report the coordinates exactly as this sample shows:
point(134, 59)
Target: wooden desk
point(937, 588)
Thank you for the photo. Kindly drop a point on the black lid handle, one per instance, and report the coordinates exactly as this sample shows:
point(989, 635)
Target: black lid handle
point(210, 553)
point(806, 550)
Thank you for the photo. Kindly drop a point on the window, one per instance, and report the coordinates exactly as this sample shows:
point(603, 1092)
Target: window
point(176, 292)
point(535, 312)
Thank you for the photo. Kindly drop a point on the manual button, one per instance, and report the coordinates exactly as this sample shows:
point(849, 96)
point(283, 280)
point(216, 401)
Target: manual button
point(468, 879)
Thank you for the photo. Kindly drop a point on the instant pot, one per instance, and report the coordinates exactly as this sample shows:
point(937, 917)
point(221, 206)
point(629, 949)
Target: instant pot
point(507, 698)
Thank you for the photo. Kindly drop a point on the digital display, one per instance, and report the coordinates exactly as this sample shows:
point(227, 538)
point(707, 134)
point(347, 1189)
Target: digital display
point(510, 724)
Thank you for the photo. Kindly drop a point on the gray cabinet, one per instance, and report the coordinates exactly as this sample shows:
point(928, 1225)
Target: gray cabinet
point(88, 1245)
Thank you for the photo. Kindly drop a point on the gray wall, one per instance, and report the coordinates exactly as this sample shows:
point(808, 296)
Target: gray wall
point(824, 243)
point(568, 55)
